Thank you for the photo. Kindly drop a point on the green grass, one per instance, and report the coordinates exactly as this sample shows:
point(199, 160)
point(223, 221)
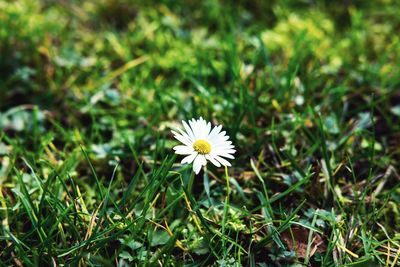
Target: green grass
point(308, 91)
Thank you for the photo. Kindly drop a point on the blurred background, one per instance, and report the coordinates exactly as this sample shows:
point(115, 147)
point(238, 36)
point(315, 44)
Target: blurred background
point(109, 66)
point(67, 56)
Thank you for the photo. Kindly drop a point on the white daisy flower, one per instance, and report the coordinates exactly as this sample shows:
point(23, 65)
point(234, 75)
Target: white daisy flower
point(200, 144)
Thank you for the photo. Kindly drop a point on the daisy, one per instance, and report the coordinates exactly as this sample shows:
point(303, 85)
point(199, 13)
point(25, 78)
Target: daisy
point(200, 144)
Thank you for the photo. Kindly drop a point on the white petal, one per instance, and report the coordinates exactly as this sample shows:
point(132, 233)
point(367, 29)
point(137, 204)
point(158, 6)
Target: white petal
point(215, 131)
point(194, 126)
point(207, 130)
point(223, 149)
point(197, 164)
point(222, 153)
point(225, 155)
point(183, 150)
point(223, 143)
point(200, 125)
point(204, 129)
point(213, 161)
point(184, 134)
point(224, 162)
point(200, 128)
point(219, 151)
point(203, 160)
point(181, 138)
point(221, 139)
point(188, 130)
point(224, 146)
point(221, 146)
point(218, 140)
point(189, 159)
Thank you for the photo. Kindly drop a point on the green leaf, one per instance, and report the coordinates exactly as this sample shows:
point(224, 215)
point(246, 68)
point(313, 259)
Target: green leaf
point(126, 256)
point(160, 237)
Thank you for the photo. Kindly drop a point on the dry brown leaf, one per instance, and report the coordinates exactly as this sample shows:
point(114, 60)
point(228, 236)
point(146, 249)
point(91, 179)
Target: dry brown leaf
point(299, 241)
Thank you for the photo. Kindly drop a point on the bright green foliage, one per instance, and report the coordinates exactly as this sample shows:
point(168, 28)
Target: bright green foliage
point(309, 92)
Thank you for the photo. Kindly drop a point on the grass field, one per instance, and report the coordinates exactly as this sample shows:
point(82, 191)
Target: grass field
point(308, 91)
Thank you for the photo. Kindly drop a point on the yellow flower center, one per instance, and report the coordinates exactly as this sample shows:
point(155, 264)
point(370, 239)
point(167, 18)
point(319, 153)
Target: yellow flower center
point(202, 146)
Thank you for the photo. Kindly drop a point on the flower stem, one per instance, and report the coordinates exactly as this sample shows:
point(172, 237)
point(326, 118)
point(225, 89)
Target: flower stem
point(190, 182)
point(226, 206)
